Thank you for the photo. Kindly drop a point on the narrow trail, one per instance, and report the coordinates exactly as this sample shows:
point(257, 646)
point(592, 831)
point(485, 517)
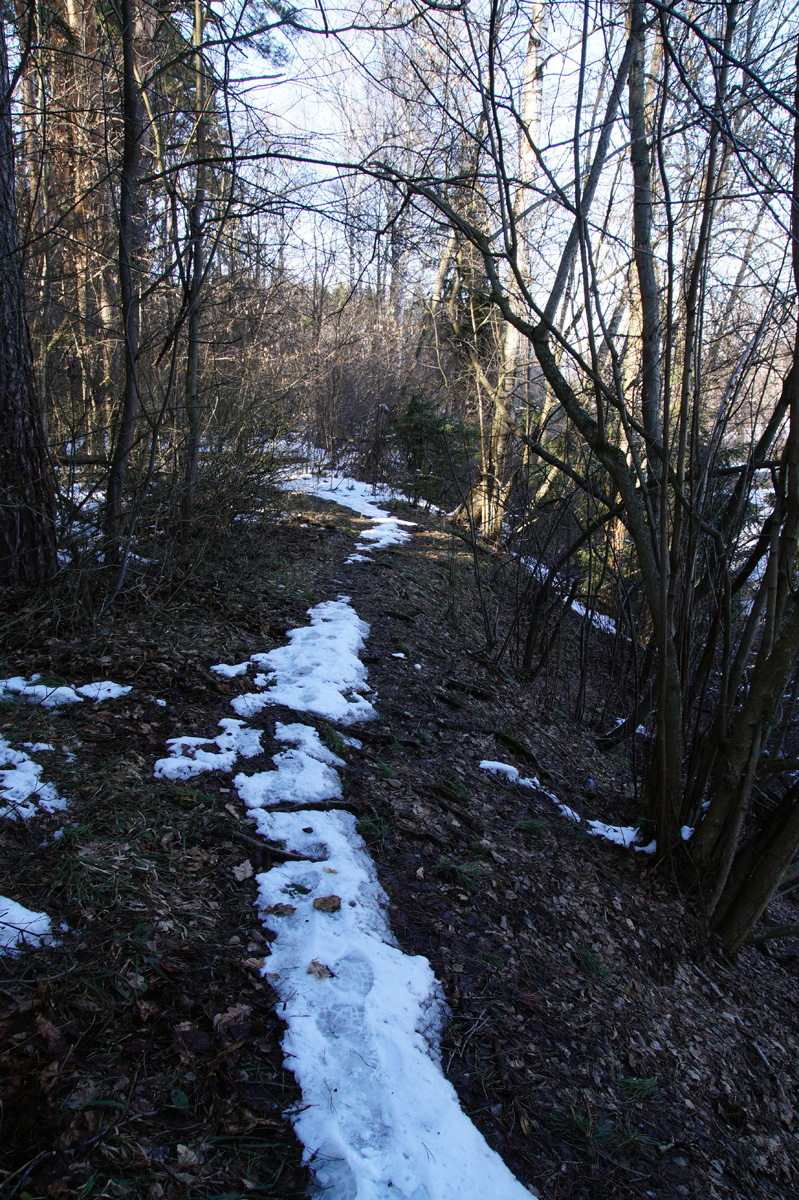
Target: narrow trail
point(178, 1016)
point(378, 1118)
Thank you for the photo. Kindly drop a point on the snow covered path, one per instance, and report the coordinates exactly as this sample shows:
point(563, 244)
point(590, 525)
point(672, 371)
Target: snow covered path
point(378, 1119)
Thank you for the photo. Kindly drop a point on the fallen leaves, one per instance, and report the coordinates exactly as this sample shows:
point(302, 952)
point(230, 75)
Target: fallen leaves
point(188, 1157)
point(53, 1038)
point(244, 870)
point(235, 1018)
point(83, 1126)
point(327, 904)
point(319, 970)
point(147, 1010)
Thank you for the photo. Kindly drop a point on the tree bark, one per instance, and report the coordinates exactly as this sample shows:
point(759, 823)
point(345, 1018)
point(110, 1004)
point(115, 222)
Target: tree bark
point(715, 844)
point(128, 279)
point(750, 887)
point(642, 234)
point(195, 277)
point(27, 492)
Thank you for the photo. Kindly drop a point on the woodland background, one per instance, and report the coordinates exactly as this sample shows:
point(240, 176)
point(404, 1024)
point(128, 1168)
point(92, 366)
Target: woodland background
point(534, 263)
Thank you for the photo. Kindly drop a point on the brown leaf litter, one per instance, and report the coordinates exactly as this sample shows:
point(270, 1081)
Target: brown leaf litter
point(599, 1038)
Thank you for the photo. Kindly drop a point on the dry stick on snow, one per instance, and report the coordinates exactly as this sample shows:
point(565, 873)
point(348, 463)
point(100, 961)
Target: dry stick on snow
point(277, 852)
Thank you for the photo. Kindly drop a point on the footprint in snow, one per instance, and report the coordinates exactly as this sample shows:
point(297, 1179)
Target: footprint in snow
point(353, 979)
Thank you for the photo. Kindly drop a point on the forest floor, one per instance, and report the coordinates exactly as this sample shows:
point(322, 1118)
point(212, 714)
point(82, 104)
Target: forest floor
point(599, 1038)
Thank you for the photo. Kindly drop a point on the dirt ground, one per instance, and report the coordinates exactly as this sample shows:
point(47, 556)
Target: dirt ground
point(599, 1037)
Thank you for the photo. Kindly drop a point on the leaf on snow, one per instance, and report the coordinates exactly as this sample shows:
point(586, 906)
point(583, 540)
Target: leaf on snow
point(328, 904)
point(319, 970)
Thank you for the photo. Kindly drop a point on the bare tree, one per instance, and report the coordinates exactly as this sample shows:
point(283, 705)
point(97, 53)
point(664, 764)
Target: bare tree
point(650, 398)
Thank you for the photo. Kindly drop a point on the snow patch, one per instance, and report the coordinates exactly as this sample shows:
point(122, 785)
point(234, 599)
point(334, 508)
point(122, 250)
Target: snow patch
point(378, 1118)
point(388, 531)
point(621, 835)
point(303, 776)
point(38, 693)
point(188, 756)
point(505, 770)
point(50, 696)
point(318, 671)
point(22, 791)
point(20, 926)
point(306, 739)
point(360, 497)
point(229, 671)
point(104, 689)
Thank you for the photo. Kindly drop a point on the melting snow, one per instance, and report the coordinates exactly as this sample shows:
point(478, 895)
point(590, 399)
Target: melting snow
point(542, 572)
point(621, 835)
point(19, 926)
point(103, 690)
point(188, 756)
point(378, 1118)
point(50, 696)
point(22, 791)
point(500, 768)
point(38, 693)
point(304, 775)
point(231, 671)
point(319, 671)
point(349, 493)
point(387, 532)
point(360, 497)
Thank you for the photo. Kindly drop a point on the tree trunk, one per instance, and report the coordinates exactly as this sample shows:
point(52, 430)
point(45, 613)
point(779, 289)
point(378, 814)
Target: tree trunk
point(716, 841)
point(642, 228)
point(749, 890)
point(128, 280)
point(195, 278)
point(27, 494)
